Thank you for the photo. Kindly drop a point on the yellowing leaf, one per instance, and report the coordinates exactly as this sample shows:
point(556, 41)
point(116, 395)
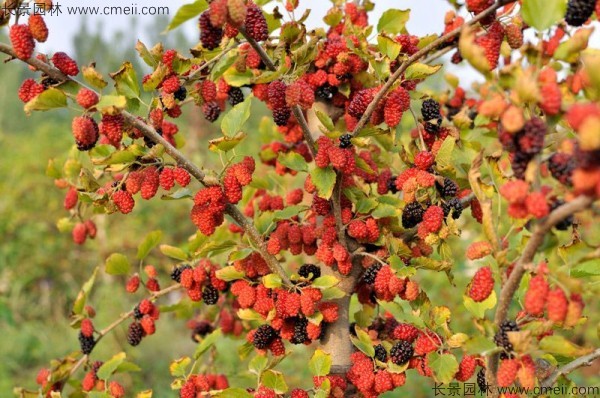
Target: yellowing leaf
point(420, 71)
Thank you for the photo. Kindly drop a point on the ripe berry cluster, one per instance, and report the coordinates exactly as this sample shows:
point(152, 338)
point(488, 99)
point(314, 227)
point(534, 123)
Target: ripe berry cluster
point(522, 202)
point(198, 383)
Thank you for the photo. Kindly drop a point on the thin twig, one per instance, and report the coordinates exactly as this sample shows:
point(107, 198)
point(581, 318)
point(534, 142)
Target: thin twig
point(585, 360)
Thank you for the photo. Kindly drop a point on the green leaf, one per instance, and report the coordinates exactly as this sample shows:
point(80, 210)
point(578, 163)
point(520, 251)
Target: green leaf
point(173, 252)
point(51, 98)
point(229, 273)
point(127, 366)
point(207, 342)
point(444, 366)
point(332, 293)
point(542, 14)
point(117, 264)
point(117, 157)
point(366, 205)
point(79, 304)
point(150, 242)
point(109, 367)
point(272, 281)
point(258, 364)
point(320, 363)
point(443, 158)
point(390, 48)
point(238, 79)
point(178, 367)
point(325, 120)
point(235, 119)
point(363, 342)
point(478, 309)
point(234, 393)
point(325, 282)
point(293, 160)
point(421, 71)
point(588, 268)
point(289, 212)
point(559, 345)
point(274, 380)
point(324, 181)
point(126, 81)
point(187, 12)
point(385, 210)
point(393, 21)
point(226, 144)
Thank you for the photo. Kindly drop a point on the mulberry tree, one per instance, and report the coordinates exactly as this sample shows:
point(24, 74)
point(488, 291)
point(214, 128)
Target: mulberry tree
point(367, 187)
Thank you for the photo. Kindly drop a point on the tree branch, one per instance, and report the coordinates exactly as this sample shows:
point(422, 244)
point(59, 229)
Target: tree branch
point(150, 133)
point(418, 55)
point(512, 284)
point(585, 360)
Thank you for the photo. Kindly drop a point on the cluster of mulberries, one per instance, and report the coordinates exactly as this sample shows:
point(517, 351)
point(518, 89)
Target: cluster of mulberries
point(201, 282)
point(522, 202)
point(540, 298)
point(146, 181)
point(209, 207)
point(341, 159)
point(380, 282)
point(370, 379)
point(144, 314)
point(401, 346)
point(583, 118)
point(294, 314)
point(524, 144)
point(83, 230)
point(237, 176)
point(225, 17)
point(277, 102)
point(293, 237)
point(197, 384)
